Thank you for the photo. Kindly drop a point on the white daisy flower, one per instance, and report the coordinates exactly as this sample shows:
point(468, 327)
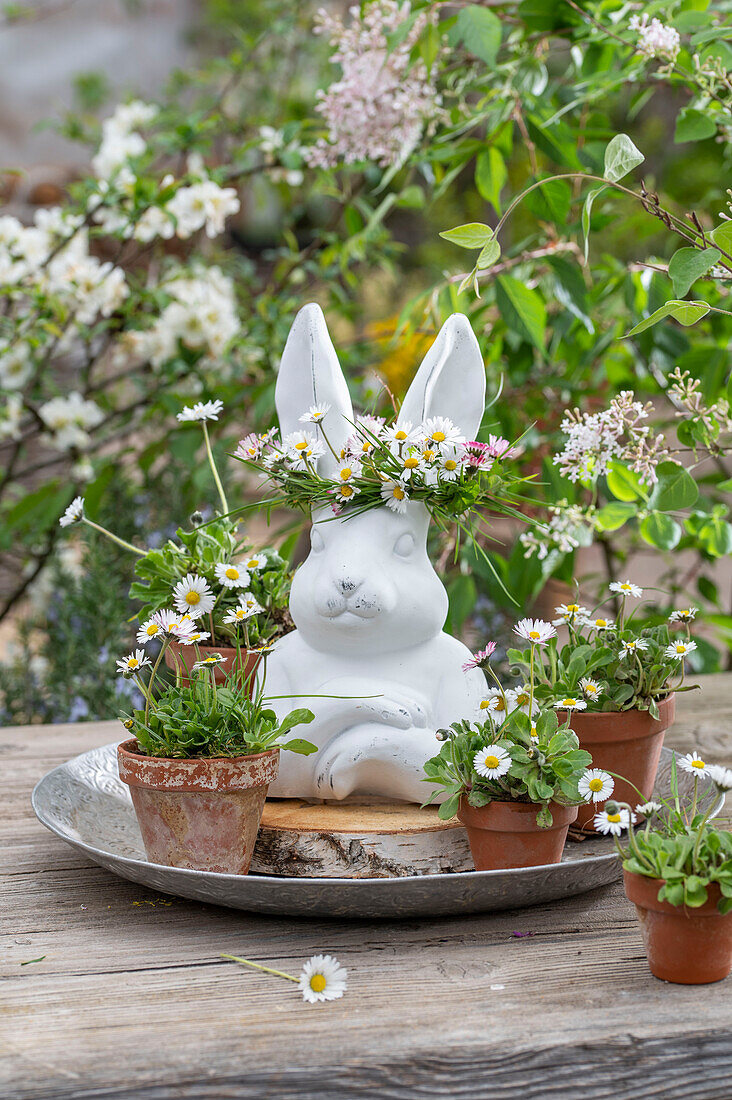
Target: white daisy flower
point(677, 650)
point(182, 627)
point(535, 631)
point(193, 596)
point(302, 449)
point(149, 630)
point(439, 431)
point(613, 823)
point(683, 615)
point(692, 763)
point(411, 464)
point(133, 662)
point(497, 702)
point(590, 687)
point(596, 785)
point(398, 436)
point(348, 470)
point(345, 492)
point(315, 413)
point(194, 638)
point(394, 496)
point(568, 613)
point(492, 762)
point(598, 624)
point(201, 411)
point(570, 703)
point(635, 645)
point(522, 701)
point(242, 613)
point(720, 776)
point(166, 618)
point(322, 978)
point(627, 588)
point(448, 464)
point(646, 809)
point(534, 733)
point(232, 576)
point(212, 661)
point(74, 513)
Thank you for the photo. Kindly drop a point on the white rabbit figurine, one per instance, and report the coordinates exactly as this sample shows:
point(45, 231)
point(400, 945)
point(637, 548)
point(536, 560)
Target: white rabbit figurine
point(368, 606)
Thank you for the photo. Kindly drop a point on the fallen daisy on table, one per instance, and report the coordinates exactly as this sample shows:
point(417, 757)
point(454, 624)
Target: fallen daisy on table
point(322, 977)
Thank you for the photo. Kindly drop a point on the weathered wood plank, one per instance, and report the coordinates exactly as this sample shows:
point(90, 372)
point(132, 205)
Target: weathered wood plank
point(132, 999)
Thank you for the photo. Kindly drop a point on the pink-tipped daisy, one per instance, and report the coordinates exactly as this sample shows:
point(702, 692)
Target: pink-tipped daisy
point(478, 659)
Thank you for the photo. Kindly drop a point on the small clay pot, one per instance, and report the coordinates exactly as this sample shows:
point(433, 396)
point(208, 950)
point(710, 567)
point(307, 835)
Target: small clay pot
point(187, 656)
point(505, 834)
point(686, 946)
point(626, 743)
point(202, 813)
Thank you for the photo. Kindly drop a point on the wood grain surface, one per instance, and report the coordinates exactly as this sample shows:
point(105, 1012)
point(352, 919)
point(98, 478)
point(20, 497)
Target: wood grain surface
point(132, 999)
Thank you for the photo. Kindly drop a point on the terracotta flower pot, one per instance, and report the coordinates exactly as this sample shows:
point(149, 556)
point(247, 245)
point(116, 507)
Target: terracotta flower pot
point(201, 813)
point(505, 834)
point(626, 743)
point(186, 656)
point(686, 946)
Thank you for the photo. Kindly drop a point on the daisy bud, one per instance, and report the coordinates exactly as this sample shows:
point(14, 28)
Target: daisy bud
point(612, 808)
point(196, 518)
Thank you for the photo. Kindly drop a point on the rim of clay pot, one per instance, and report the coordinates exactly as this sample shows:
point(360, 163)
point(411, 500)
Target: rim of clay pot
point(196, 773)
point(643, 890)
point(514, 817)
point(621, 725)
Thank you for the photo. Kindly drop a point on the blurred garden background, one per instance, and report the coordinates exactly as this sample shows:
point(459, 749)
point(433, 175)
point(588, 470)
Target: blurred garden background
point(179, 178)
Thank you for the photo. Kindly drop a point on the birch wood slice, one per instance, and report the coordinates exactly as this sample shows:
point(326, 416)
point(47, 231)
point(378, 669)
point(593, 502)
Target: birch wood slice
point(358, 840)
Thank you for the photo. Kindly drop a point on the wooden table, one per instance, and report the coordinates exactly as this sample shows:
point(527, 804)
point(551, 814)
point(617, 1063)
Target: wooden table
point(132, 999)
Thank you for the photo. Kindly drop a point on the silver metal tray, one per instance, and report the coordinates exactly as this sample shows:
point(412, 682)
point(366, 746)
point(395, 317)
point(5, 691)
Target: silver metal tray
point(84, 802)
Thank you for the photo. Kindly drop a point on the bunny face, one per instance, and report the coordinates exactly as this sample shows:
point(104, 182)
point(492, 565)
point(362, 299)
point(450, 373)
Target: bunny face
point(368, 584)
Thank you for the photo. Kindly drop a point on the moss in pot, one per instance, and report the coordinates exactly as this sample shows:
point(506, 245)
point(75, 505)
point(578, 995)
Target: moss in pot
point(615, 682)
point(199, 763)
point(677, 871)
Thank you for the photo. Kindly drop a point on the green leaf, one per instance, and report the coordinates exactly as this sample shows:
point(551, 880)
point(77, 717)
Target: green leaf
point(551, 202)
point(480, 32)
point(624, 483)
point(586, 216)
point(295, 718)
point(470, 235)
point(689, 264)
point(693, 125)
point(521, 308)
point(488, 255)
point(449, 807)
point(715, 537)
point(686, 313)
point(621, 157)
point(300, 746)
point(661, 530)
point(722, 236)
point(675, 488)
point(613, 515)
point(490, 176)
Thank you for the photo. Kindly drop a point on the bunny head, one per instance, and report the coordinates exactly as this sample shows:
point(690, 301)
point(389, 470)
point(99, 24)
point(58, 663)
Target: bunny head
point(368, 584)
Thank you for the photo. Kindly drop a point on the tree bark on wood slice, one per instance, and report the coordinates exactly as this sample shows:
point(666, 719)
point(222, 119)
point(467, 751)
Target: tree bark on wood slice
point(358, 840)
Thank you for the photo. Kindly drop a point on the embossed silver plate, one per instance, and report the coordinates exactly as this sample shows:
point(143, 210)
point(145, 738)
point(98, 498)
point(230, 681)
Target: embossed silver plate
point(84, 802)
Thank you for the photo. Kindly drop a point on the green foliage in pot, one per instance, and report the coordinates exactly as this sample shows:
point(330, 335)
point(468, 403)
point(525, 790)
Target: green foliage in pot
point(678, 843)
point(516, 761)
point(610, 665)
point(205, 718)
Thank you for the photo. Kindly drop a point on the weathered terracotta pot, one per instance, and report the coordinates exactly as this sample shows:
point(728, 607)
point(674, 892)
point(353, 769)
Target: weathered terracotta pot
point(187, 657)
point(686, 946)
point(201, 813)
point(626, 743)
point(505, 834)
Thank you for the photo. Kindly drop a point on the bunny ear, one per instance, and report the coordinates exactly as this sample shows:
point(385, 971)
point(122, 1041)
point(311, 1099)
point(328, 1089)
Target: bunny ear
point(310, 374)
point(451, 380)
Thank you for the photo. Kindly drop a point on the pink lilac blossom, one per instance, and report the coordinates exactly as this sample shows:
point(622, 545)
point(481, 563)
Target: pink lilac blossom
point(378, 109)
point(595, 439)
point(656, 39)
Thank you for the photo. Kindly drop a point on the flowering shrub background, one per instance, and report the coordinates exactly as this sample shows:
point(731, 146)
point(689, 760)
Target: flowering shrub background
point(319, 157)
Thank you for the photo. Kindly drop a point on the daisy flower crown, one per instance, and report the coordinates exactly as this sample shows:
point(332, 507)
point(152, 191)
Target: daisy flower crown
point(387, 464)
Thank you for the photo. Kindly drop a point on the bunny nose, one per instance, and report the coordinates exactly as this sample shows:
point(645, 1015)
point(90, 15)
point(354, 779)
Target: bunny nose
point(347, 585)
